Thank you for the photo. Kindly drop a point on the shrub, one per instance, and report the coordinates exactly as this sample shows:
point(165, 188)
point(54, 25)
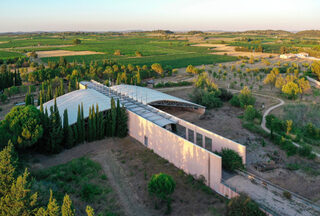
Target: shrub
point(250, 113)
point(231, 160)
point(3, 98)
point(76, 41)
point(243, 205)
point(210, 99)
point(287, 195)
point(246, 98)
point(89, 192)
point(305, 151)
point(235, 101)
point(293, 166)
point(225, 95)
point(162, 186)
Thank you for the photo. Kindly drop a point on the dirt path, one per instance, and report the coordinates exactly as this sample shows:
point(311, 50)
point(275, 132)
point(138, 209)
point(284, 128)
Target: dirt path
point(263, 122)
point(100, 152)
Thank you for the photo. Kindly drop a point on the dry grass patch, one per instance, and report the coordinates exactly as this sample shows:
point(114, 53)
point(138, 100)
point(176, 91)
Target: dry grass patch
point(57, 53)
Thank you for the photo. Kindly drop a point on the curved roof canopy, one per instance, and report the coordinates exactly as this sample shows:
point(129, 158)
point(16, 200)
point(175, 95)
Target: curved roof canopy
point(70, 101)
point(149, 96)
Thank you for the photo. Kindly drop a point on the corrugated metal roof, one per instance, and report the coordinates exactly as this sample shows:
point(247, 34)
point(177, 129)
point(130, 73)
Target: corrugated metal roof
point(70, 101)
point(147, 95)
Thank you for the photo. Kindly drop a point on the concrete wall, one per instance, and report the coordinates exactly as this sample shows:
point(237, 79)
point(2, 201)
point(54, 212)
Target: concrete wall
point(182, 153)
point(218, 142)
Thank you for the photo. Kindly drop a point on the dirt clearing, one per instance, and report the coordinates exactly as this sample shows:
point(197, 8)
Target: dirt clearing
point(128, 166)
point(55, 53)
point(221, 49)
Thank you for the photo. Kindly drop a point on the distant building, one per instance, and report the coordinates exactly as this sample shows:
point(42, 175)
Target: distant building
point(303, 55)
point(288, 56)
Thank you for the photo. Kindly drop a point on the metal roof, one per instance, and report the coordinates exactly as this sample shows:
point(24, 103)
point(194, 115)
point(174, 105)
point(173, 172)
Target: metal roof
point(148, 112)
point(147, 95)
point(70, 101)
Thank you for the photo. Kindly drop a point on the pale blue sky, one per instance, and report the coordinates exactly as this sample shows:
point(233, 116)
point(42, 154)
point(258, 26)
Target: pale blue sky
point(109, 15)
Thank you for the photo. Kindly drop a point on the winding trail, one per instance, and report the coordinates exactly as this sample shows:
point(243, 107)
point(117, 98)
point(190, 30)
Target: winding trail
point(263, 122)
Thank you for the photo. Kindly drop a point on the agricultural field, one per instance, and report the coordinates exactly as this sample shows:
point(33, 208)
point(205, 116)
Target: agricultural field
point(6, 54)
point(176, 53)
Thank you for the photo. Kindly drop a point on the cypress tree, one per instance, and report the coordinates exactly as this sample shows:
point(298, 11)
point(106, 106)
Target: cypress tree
point(94, 124)
point(118, 117)
point(113, 117)
point(66, 209)
point(52, 208)
point(69, 86)
point(27, 100)
point(83, 129)
point(75, 134)
point(65, 127)
point(61, 87)
point(78, 126)
point(90, 125)
point(123, 123)
point(41, 103)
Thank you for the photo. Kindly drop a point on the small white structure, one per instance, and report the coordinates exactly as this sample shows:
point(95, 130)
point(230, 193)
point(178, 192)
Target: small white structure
point(288, 56)
point(302, 55)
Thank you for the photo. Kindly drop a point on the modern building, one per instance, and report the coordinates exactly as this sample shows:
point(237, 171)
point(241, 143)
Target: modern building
point(182, 143)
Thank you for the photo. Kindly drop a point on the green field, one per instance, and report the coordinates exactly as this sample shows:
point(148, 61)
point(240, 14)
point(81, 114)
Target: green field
point(166, 52)
point(7, 55)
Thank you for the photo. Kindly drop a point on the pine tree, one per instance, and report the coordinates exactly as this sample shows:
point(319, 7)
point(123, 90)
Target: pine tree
point(66, 209)
point(7, 169)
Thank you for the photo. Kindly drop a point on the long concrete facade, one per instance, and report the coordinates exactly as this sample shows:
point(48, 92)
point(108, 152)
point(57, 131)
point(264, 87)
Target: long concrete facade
point(193, 152)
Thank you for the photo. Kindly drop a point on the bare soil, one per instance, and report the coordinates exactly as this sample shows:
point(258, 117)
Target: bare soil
point(55, 53)
point(221, 49)
point(129, 166)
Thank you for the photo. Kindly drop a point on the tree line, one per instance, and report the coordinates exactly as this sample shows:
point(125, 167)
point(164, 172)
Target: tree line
point(98, 70)
point(8, 78)
point(45, 131)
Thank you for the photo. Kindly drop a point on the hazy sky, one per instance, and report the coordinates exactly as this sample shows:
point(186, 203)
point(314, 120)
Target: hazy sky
point(108, 15)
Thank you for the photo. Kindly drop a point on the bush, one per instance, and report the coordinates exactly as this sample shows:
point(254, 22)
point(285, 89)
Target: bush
point(287, 195)
point(89, 192)
point(231, 160)
point(225, 95)
point(275, 124)
point(3, 98)
point(235, 101)
point(209, 99)
point(243, 205)
point(305, 151)
point(250, 113)
point(162, 186)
